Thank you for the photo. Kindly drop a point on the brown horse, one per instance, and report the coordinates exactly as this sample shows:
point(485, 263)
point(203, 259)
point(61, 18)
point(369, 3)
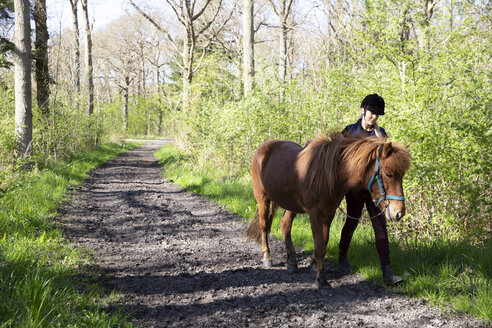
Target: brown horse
point(314, 180)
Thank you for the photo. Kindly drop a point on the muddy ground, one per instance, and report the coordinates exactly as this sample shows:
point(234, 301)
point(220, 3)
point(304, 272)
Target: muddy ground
point(182, 261)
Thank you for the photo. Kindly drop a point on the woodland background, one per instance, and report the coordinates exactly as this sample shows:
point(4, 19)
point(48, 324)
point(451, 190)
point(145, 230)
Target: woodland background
point(222, 76)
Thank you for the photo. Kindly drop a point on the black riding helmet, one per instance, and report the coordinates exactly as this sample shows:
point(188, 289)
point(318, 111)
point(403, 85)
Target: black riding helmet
point(374, 103)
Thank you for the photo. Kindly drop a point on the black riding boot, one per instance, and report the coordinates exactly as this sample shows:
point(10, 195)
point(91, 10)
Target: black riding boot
point(343, 264)
point(389, 277)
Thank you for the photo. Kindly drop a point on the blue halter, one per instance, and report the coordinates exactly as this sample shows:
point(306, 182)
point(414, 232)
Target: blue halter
point(377, 177)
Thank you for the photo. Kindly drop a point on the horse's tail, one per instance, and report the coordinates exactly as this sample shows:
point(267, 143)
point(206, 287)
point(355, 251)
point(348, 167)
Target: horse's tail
point(254, 232)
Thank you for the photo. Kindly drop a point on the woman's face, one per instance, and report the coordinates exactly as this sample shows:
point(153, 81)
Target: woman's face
point(370, 117)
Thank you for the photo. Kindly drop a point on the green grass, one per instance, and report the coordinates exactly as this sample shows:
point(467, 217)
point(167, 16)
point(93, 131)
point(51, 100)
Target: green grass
point(44, 280)
point(448, 273)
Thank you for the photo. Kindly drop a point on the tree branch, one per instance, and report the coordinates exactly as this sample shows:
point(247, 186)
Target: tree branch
point(193, 18)
point(153, 22)
point(274, 8)
point(174, 6)
point(207, 25)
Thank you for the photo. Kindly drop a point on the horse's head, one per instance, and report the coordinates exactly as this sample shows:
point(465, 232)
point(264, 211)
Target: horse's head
point(386, 182)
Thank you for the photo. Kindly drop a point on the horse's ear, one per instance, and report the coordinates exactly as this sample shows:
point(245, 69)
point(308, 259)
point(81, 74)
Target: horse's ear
point(388, 149)
point(406, 146)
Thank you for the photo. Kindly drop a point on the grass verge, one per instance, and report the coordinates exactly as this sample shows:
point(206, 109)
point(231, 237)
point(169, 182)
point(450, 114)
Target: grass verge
point(44, 280)
point(448, 273)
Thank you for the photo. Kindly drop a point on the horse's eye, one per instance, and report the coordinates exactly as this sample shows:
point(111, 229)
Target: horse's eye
point(389, 175)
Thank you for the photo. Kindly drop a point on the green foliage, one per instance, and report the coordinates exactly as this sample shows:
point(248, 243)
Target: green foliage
point(44, 281)
point(7, 103)
point(144, 117)
point(64, 132)
point(113, 117)
point(217, 78)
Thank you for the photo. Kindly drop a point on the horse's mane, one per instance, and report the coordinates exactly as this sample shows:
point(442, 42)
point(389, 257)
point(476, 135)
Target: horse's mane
point(324, 154)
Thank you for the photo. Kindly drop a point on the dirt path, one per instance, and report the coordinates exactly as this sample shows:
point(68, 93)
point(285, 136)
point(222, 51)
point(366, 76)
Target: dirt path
point(181, 261)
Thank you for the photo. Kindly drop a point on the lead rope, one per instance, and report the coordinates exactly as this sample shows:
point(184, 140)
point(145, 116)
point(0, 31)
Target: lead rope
point(359, 218)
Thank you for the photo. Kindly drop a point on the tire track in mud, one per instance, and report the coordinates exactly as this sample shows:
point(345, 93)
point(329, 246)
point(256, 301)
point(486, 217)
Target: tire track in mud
point(182, 261)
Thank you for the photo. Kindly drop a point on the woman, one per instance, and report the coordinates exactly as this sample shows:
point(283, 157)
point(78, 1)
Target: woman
point(371, 107)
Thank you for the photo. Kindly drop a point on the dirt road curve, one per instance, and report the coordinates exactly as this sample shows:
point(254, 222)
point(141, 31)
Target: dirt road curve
point(181, 261)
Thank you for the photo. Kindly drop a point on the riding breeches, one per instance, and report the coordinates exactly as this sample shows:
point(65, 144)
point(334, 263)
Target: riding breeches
point(355, 203)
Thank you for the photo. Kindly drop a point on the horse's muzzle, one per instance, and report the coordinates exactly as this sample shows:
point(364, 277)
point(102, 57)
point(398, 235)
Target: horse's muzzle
point(398, 216)
point(394, 215)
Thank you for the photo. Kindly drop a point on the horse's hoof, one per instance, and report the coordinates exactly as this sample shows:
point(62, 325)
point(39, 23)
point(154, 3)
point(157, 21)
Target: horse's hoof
point(393, 280)
point(324, 288)
point(324, 291)
point(344, 270)
point(292, 267)
point(268, 263)
point(344, 266)
point(322, 283)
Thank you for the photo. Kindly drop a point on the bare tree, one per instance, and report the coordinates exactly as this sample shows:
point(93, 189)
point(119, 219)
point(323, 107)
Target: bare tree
point(23, 91)
point(62, 70)
point(76, 45)
point(88, 59)
point(124, 68)
point(158, 60)
point(188, 17)
point(248, 47)
point(189, 14)
point(139, 43)
point(41, 57)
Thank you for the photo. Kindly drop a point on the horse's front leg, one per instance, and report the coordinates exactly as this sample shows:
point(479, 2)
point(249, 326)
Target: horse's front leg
point(286, 225)
point(321, 231)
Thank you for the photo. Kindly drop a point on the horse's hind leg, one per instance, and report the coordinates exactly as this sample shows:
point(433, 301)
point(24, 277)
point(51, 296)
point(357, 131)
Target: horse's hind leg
point(259, 228)
point(286, 225)
point(266, 211)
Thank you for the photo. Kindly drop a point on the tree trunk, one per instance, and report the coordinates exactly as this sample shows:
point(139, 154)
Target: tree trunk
point(88, 59)
point(161, 112)
point(149, 119)
point(125, 103)
point(283, 15)
point(41, 57)
point(429, 12)
point(451, 15)
point(283, 43)
point(188, 70)
point(23, 92)
point(142, 68)
point(248, 48)
point(76, 42)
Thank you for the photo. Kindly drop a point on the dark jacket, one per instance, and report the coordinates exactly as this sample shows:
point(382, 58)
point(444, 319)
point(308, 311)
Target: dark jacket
point(356, 128)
